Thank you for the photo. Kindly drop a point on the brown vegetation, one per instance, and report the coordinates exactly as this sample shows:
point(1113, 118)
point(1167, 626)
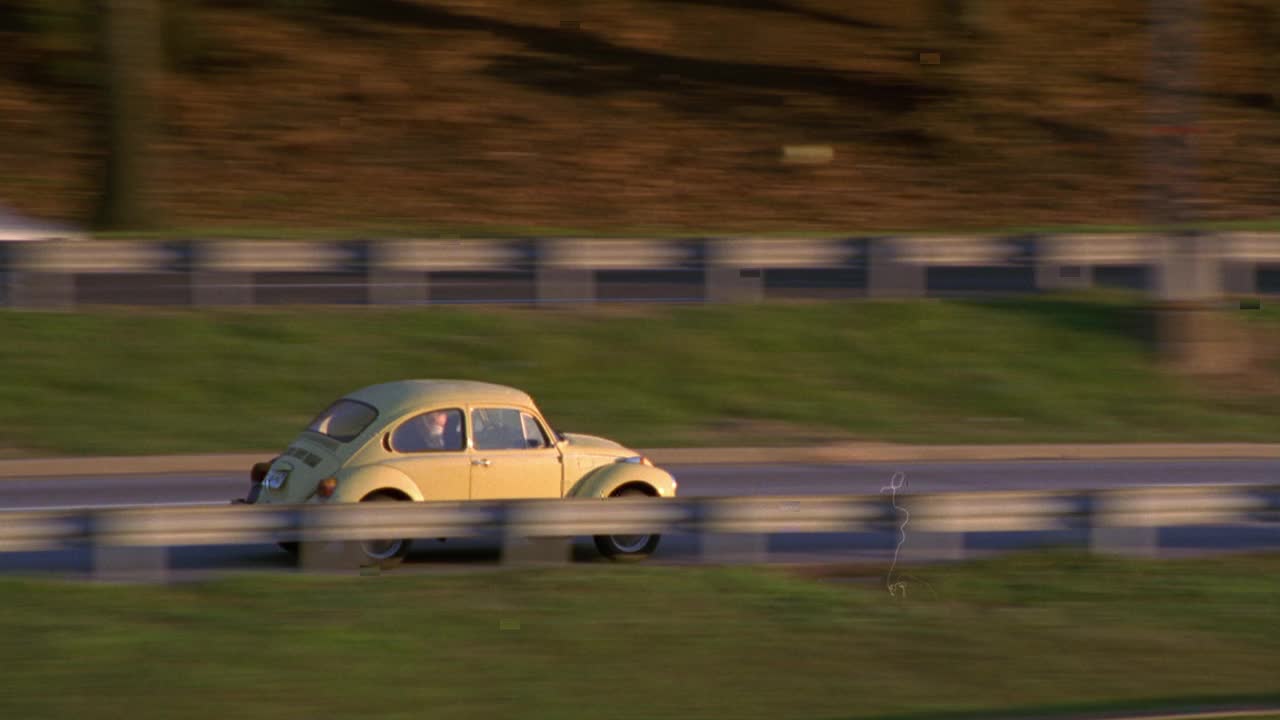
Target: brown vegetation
point(630, 114)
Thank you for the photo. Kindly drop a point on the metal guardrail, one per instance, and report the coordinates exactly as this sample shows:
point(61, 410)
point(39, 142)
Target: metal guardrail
point(723, 269)
point(1115, 520)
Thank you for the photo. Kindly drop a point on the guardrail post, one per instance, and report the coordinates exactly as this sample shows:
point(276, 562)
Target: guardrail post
point(1187, 268)
point(730, 547)
point(727, 278)
point(33, 279)
point(523, 543)
point(1116, 540)
point(1061, 264)
point(318, 550)
point(888, 276)
point(210, 288)
point(734, 285)
point(925, 545)
point(395, 287)
point(724, 534)
point(1240, 253)
point(1239, 278)
point(1121, 525)
point(119, 559)
point(560, 277)
point(328, 556)
point(213, 285)
point(518, 550)
point(1057, 276)
point(41, 290)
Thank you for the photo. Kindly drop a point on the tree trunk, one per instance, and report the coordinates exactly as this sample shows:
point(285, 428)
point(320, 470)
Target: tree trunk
point(130, 43)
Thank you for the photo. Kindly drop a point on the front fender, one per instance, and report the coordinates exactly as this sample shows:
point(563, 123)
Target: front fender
point(356, 483)
point(603, 481)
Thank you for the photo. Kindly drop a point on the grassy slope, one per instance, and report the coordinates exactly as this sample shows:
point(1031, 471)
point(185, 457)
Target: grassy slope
point(185, 381)
point(647, 115)
point(644, 643)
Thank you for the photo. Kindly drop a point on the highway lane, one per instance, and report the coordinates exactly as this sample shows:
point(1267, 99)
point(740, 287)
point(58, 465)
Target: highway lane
point(713, 480)
point(706, 480)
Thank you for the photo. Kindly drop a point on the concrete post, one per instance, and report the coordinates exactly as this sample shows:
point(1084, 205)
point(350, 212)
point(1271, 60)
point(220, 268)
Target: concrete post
point(888, 276)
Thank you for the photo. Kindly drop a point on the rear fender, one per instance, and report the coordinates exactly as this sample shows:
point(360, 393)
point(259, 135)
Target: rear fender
point(355, 484)
point(604, 481)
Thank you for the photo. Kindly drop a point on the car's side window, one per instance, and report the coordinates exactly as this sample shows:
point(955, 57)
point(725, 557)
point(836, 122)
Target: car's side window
point(435, 431)
point(502, 429)
point(534, 437)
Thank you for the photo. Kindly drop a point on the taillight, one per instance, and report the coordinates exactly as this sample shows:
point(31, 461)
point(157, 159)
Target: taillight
point(326, 487)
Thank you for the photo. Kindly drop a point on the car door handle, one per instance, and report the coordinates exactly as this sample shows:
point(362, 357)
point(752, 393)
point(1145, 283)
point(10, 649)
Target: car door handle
point(485, 462)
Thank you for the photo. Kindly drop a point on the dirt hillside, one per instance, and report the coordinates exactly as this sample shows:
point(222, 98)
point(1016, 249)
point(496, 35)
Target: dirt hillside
point(654, 114)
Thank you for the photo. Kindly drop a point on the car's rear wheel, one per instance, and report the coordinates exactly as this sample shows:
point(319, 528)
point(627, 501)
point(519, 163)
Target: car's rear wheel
point(385, 554)
point(627, 548)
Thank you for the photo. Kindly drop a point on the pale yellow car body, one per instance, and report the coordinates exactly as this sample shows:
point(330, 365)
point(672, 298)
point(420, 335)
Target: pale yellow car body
point(572, 466)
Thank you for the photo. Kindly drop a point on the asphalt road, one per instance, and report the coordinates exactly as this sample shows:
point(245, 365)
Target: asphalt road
point(713, 480)
point(695, 481)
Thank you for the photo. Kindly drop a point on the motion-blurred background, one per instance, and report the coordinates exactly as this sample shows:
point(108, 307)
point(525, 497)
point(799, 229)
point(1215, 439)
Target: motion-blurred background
point(793, 246)
point(611, 115)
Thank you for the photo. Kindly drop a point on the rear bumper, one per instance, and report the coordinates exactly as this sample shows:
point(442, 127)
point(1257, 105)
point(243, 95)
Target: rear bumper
point(254, 491)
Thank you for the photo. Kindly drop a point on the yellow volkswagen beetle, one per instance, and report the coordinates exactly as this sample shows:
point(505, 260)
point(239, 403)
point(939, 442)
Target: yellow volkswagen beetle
point(427, 440)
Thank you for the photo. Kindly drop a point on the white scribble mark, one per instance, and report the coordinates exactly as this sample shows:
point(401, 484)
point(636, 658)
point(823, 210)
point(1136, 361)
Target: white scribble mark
point(898, 482)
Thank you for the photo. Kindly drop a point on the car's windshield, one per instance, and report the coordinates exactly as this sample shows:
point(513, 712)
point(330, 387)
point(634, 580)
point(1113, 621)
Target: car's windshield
point(344, 420)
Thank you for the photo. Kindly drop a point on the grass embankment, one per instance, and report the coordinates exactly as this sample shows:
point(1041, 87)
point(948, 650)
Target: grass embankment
point(140, 382)
point(1051, 632)
point(664, 114)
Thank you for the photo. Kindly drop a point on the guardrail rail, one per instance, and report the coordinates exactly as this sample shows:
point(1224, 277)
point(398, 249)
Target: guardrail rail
point(65, 273)
point(1119, 520)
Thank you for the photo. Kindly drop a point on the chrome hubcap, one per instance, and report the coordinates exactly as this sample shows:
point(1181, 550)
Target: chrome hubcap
point(382, 549)
point(630, 543)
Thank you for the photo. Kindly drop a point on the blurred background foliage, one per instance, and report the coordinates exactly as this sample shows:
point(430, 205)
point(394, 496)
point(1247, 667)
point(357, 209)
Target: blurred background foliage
point(644, 113)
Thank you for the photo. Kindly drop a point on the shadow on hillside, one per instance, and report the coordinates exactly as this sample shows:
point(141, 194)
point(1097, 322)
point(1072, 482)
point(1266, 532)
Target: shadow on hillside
point(1109, 316)
point(785, 8)
point(574, 62)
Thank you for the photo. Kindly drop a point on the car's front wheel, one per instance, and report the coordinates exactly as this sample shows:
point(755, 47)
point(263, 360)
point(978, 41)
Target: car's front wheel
point(627, 548)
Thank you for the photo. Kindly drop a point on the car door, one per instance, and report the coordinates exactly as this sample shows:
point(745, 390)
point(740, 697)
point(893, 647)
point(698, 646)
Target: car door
point(437, 462)
point(512, 456)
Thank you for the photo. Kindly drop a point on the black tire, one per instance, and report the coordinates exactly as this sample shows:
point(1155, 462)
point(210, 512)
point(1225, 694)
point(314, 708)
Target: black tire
point(289, 547)
point(627, 548)
point(385, 554)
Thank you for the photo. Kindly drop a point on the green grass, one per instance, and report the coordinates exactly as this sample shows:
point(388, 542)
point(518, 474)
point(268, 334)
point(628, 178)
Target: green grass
point(1051, 632)
point(139, 382)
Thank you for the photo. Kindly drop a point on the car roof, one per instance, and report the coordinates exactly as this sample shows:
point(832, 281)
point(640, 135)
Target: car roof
point(403, 396)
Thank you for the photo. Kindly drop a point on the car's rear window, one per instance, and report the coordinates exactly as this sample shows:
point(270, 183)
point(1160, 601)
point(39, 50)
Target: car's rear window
point(344, 420)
